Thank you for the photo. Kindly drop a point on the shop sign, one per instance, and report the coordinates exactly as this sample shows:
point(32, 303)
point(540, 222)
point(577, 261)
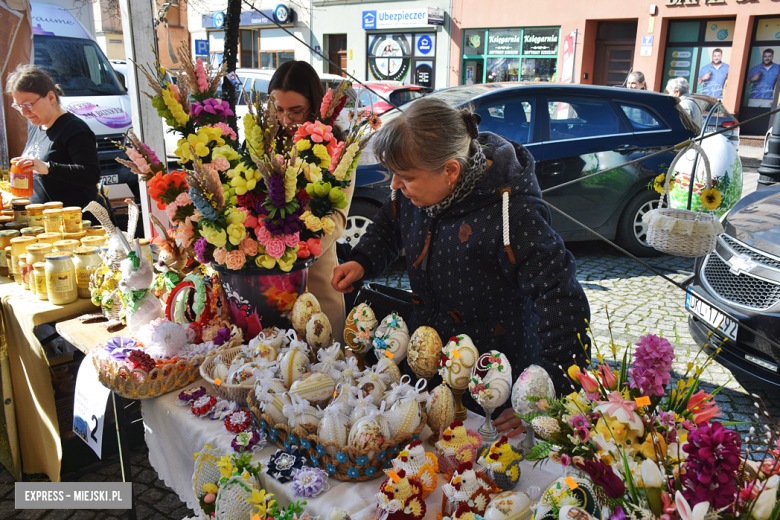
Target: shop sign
point(504, 41)
point(393, 19)
point(424, 74)
point(389, 56)
point(424, 44)
point(209, 21)
point(540, 42)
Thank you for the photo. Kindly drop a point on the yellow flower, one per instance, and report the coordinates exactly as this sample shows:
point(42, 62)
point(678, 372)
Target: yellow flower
point(215, 237)
point(235, 216)
point(236, 233)
point(312, 223)
point(614, 430)
point(345, 163)
point(322, 154)
point(290, 183)
point(648, 450)
point(327, 225)
point(225, 151)
point(175, 107)
point(303, 145)
point(710, 198)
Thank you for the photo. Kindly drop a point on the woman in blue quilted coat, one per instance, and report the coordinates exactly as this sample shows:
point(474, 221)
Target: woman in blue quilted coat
point(481, 255)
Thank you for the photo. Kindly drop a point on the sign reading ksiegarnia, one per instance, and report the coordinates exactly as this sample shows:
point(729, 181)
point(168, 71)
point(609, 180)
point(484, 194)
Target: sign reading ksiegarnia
point(89, 407)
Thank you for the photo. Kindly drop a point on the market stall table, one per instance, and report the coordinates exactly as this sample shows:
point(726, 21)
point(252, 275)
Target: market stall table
point(173, 435)
point(28, 397)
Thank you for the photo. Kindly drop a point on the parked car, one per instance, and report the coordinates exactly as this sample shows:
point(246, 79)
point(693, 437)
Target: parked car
point(394, 91)
point(739, 284)
point(720, 119)
point(572, 131)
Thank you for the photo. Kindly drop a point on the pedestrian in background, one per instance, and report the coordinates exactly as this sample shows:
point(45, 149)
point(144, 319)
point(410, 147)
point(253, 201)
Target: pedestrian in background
point(679, 88)
point(636, 81)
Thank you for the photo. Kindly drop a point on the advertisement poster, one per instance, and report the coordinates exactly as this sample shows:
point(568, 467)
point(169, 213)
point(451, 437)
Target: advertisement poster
point(761, 77)
point(720, 31)
point(567, 56)
point(714, 65)
point(389, 56)
point(679, 62)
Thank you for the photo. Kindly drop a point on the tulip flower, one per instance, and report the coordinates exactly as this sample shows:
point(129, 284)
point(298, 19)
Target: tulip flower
point(608, 378)
point(703, 407)
point(653, 480)
point(590, 385)
point(574, 373)
point(684, 509)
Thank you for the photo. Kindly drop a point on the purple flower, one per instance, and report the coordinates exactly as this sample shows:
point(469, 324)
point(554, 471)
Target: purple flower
point(652, 363)
point(245, 441)
point(666, 419)
point(310, 482)
point(288, 225)
point(211, 107)
point(619, 514)
point(152, 155)
point(565, 460)
point(276, 190)
point(579, 421)
point(222, 337)
point(201, 246)
point(712, 464)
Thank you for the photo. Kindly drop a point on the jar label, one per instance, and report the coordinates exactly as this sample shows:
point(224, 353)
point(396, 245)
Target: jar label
point(59, 282)
point(82, 278)
point(20, 181)
point(40, 283)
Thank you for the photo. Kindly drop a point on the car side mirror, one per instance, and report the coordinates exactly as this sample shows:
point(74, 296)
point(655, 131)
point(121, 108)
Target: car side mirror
point(121, 78)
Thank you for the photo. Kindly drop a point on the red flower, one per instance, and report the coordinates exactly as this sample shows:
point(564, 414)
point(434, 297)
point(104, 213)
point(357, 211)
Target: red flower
point(310, 247)
point(165, 188)
point(604, 476)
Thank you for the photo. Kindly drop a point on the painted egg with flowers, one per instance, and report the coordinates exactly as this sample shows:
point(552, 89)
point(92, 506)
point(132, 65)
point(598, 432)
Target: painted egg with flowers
point(491, 380)
point(242, 376)
point(424, 352)
point(392, 336)
point(359, 329)
point(318, 333)
point(441, 408)
point(534, 381)
point(304, 307)
point(509, 505)
point(367, 435)
point(457, 359)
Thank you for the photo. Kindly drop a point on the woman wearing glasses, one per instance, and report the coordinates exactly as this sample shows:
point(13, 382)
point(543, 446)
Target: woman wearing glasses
point(60, 149)
point(298, 92)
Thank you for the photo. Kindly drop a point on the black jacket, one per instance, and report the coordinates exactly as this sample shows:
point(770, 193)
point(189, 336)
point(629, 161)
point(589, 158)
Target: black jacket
point(531, 310)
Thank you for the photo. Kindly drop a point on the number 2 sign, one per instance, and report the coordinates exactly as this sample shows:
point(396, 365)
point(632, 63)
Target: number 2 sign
point(89, 407)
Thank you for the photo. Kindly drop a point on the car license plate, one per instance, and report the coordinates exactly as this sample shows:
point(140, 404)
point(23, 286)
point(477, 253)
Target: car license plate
point(727, 326)
point(710, 129)
point(111, 179)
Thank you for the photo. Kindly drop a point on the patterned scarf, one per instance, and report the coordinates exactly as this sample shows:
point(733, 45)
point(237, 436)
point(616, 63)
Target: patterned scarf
point(466, 182)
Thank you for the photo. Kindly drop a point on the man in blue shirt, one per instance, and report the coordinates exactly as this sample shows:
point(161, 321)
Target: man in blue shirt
point(763, 77)
point(713, 76)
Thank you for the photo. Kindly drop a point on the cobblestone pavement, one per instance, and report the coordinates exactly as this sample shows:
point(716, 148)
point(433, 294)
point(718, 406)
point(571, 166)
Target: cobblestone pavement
point(639, 302)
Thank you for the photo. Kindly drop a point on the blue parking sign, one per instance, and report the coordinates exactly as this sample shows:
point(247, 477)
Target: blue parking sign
point(201, 47)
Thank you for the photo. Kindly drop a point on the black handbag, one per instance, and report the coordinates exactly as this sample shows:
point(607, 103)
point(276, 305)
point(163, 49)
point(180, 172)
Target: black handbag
point(385, 300)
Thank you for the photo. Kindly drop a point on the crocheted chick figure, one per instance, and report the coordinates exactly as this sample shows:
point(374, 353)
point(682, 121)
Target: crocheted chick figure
point(502, 460)
point(456, 444)
point(469, 487)
point(414, 461)
point(464, 512)
point(402, 500)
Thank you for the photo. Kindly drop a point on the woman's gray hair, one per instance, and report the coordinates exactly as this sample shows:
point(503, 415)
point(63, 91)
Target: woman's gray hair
point(428, 134)
point(680, 84)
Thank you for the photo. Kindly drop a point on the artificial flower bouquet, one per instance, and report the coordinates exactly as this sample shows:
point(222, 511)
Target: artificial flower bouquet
point(264, 201)
point(655, 449)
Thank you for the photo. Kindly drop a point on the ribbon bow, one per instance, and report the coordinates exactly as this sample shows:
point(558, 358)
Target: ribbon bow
point(454, 494)
point(416, 393)
point(386, 507)
point(619, 408)
point(352, 369)
point(294, 343)
point(358, 400)
point(262, 391)
point(336, 411)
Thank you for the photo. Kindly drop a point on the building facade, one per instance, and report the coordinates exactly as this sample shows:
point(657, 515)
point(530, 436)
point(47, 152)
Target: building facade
point(728, 49)
point(405, 41)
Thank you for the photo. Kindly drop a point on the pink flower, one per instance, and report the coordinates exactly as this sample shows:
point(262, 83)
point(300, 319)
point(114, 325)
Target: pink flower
point(263, 235)
point(565, 460)
point(175, 90)
point(221, 164)
point(251, 221)
point(363, 335)
point(185, 232)
point(226, 131)
point(203, 80)
point(291, 240)
point(170, 210)
point(326, 102)
point(275, 247)
point(235, 260)
point(317, 132)
point(652, 363)
point(335, 155)
point(183, 199)
point(248, 246)
point(139, 160)
point(315, 246)
point(220, 255)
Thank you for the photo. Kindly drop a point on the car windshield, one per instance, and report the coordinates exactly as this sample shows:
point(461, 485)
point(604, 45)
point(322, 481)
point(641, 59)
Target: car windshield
point(454, 96)
point(77, 65)
point(404, 96)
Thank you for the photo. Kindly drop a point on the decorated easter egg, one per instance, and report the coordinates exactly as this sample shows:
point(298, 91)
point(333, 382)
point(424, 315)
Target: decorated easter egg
point(318, 332)
point(392, 335)
point(241, 376)
point(385, 366)
point(304, 307)
point(367, 435)
point(509, 505)
point(457, 359)
point(441, 408)
point(359, 329)
point(373, 384)
point(242, 358)
point(292, 365)
point(221, 371)
point(342, 397)
point(334, 427)
point(559, 494)
point(272, 403)
point(424, 352)
point(545, 426)
point(263, 350)
point(301, 414)
point(274, 337)
point(404, 417)
point(315, 387)
point(491, 380)
point(534, 381)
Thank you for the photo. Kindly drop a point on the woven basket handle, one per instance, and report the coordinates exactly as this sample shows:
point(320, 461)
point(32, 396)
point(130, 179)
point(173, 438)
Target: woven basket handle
point(692, 146)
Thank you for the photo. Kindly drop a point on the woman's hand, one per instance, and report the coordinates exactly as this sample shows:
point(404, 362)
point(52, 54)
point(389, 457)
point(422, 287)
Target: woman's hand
point(345, 274)
point(26, 163)
point(508, 423)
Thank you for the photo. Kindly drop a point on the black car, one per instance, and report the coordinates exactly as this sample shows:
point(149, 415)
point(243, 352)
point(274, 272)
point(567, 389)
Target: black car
point(572, 131)
point(739, 285)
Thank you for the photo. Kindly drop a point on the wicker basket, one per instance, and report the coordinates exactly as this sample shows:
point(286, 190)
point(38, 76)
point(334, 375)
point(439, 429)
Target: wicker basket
point(350, 464)
point(682, 232)
point(137, 384)
point(235, 393)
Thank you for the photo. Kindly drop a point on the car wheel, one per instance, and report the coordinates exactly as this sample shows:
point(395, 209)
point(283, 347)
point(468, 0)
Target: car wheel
point(361, 215)
point(632, 232)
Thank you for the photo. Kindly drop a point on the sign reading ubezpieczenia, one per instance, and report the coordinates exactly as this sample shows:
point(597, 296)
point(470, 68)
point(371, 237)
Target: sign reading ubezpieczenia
point(73, 495)
point(540, 42)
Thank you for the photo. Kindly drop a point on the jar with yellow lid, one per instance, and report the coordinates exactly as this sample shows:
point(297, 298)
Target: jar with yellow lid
point(39, 277)
point(71, 219)
point(24, 273)
point(146, 249)
point(7, 213)
point(85, 260)
point(5, 241)
point(5, 219)
point(31, 231)
point(74, 236)
point(52, 220)
point(37, 253)
point(52, 205)
point(49, 238)
point(60, 279)
point(93, 241)
point(19, 247)
point(20, 210)
point(66, 246)
point(94, 231)
point(35, 214)
point(17, 226)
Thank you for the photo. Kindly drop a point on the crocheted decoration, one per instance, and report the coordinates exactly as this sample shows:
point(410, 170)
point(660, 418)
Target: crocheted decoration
point(239, 421)
point(456, 445)
point(467, 487)
point(203, 405)
point(502, 463)
point(284, 464)
point(310, 482)
point(222, 409)
point(187, 396)
point(246, 441)
point(400, 497)
point(416, 462)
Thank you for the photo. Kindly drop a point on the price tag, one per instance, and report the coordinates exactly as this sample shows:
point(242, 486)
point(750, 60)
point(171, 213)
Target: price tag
point(218, 381)
point(456, 354)
point(89, 407)
point(643, 401)
point(389, 354)
point(394, 476)
point(256, 517)
point(571, 483)
point(335, 393)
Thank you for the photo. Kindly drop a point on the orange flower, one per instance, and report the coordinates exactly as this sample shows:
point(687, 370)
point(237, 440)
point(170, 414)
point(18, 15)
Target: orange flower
point(165, 188)
point(235, 260)
point(703, 407)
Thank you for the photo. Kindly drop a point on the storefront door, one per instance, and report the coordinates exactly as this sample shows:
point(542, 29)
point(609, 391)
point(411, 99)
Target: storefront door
point(337, 53)
point(472, 72)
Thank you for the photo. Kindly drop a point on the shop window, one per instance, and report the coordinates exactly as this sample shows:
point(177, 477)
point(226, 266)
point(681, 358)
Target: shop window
point(174, 16)
point(474, 42)
point(538, 69)
point(272, 59)
point(249, 49)
point(573, 118)
point(405, 57)
point(641, 119)
point(502, 69)
point(511, 119)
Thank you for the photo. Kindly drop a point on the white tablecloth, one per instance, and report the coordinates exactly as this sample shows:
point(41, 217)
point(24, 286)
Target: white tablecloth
point(172, 436)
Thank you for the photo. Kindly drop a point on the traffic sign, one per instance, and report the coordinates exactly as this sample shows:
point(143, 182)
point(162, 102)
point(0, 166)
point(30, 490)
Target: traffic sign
point(201, 47)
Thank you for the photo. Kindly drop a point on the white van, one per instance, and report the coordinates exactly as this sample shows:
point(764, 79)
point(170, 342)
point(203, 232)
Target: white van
point(67, 51)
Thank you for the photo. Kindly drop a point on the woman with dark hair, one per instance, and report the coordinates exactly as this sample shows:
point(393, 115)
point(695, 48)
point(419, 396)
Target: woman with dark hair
point(298, 95)
point(481, 255)
point(61, 149)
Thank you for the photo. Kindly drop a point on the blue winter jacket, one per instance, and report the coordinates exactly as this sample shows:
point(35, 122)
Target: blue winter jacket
point(528, 305)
